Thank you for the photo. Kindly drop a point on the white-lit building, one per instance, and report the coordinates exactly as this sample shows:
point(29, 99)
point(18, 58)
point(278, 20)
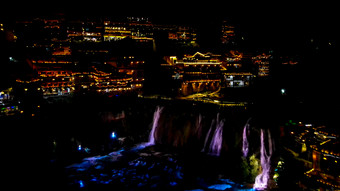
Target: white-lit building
point(238, 79)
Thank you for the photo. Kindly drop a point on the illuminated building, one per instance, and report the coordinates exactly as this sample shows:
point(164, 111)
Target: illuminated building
point(141, 28)
point(178, 34)
point(75, 31)
point(55, 76)
point(237, 72)
point(61, 78)
point(84, 31)
point(56, 82)
point(318, 147)
point(228, 33)
point(115, 32)
point(209, 72)
point(199, 72)
point(106, 81)
point(62, 51)
point(52, 30)
point(233, 60)
point(60, 46)
point(325, 159)
point(262, 62)
point(138, 28)
point(7, 105)
point(59, 29)
point(132, 66)
point(5, 95)
point(182, 34)
point(238, 79)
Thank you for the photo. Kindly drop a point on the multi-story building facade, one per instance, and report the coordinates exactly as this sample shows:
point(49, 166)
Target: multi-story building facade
point(209, 72)
point(228, 33)
point(262, 62)
point(56, 81)
point(68, 55)
point(198, 72)
point(237, 72)
point(318, 148)
point(139, 29)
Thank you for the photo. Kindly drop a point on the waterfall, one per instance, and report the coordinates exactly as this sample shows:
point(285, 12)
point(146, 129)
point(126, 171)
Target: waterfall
point(245, 143)
point(198, 128)
point(207, 136)
point(152, 135)
point(262, 179)
point(216, 139)
point(156, 116)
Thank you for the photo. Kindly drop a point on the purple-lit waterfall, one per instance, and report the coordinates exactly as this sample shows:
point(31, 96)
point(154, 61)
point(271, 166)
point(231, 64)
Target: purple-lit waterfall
point(262, 179)
point(216, 140)
point(245, 144)
point(156, 117)
point(207, 136)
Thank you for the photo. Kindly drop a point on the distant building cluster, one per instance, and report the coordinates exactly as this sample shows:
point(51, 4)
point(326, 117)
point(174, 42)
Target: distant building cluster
point(108, 55)
point(56, 78)
point(60, 29)
point(69, 55)
point(318, 148)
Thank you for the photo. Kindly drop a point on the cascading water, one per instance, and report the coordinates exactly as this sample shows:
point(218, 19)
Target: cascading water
point(207, 136)
point(155, 121)
point(169, 168)
point(262, 179)
point(156, 116)
point(216, 140)
point(198, 129)
point(245, 143)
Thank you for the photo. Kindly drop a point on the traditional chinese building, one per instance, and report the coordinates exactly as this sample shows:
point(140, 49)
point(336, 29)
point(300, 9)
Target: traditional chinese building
point(198, 72)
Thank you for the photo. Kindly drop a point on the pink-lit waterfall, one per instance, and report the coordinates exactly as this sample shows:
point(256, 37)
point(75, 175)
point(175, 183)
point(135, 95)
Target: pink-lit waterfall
point(156, 117)
point(245, 144)
point(262, 179)
point(216, 140)
point(207, 136)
